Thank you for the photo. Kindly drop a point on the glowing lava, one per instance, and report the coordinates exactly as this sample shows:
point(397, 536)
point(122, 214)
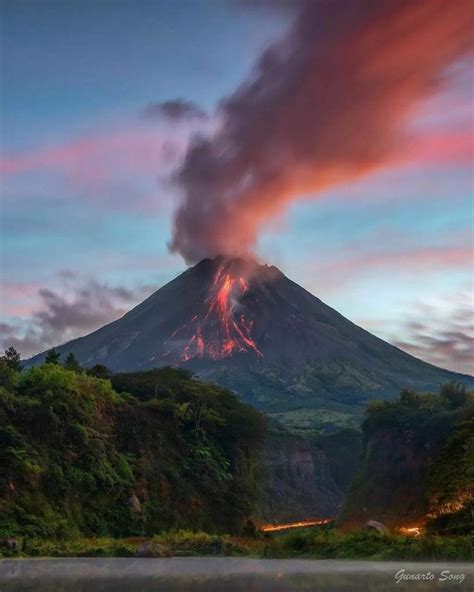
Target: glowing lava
point(413, 531)
point(290, 525)
point(222, 329)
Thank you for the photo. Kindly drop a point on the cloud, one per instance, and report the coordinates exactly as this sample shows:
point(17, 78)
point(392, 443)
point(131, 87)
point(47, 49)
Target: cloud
point(126, 168)
point(455, 147)
point(442, 333)
point(174, 110)
point(326, 104)
point(81, 306)
point(383, 255)
point(138, 150)
point(405, 260)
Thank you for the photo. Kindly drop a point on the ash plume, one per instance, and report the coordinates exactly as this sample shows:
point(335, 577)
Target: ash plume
point(325, 105)
point(174, 110)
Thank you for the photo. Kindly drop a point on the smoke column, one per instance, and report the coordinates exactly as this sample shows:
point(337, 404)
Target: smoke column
point(326, 104)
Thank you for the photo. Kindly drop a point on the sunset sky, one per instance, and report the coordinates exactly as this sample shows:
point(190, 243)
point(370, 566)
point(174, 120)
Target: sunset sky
point(99, 102)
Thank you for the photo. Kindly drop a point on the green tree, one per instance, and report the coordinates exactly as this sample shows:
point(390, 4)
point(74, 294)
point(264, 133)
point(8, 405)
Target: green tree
point(52, 357)
point(454, 394)
point(8, 376)
point(99, 371)
point(71, 363)
point(409, 398)
point(12, 359)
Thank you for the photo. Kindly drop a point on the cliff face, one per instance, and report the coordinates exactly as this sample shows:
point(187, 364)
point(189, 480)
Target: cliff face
point(390, 484)
point(303, 478)
point(404, 443)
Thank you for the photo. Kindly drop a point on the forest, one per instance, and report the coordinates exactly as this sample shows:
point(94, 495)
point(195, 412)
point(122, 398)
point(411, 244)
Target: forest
point(135, 455)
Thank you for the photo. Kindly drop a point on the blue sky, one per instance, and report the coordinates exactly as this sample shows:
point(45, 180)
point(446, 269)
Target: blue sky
point(86, 185)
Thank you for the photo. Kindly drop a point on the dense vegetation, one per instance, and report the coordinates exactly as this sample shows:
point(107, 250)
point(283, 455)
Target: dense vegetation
point(155, 451)
point(291, 399)
point(101, 464)
point(311, 543)
point(450, 483)
point(417, 462)
point(334, 544)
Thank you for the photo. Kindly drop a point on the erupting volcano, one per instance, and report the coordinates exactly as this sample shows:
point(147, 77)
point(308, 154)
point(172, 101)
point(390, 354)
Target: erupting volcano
point(223, 328)
point(250, 328)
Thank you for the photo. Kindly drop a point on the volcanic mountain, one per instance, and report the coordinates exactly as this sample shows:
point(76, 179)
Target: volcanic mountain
point(250, 328)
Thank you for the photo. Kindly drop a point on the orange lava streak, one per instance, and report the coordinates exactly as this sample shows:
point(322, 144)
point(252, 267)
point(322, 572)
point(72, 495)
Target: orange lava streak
point(289, 525)
point(219, 333)
point(414, 531)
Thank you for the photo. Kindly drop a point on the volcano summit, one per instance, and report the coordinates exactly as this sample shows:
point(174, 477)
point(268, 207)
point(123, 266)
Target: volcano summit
point(248, 327)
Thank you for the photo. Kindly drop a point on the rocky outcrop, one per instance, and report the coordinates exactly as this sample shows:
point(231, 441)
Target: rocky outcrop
point(299, 480)
point(390, 484)
point(415, 459)
point(373, 525)
point(135, 505)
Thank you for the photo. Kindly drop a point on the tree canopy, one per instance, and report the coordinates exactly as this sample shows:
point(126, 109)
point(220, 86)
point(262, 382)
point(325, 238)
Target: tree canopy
point(79, 458)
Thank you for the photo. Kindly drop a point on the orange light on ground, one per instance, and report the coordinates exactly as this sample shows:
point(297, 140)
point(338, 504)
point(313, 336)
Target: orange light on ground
point(289, 525)
point(413, 531)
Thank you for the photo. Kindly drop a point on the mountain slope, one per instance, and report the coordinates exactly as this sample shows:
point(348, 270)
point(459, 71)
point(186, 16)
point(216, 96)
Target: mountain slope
point(250, 328)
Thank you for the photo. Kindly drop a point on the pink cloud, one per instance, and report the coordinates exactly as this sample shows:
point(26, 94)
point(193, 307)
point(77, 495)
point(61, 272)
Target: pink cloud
point(119, 166)
point(93, 159)
point(447, 147)
point(18, 298)
point(339, 270)
point(433, 257)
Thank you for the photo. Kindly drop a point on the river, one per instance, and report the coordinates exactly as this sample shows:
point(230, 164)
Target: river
point(228, 574)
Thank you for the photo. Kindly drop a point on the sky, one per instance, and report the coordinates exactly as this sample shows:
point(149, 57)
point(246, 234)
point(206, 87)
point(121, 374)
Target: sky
point(103, 102)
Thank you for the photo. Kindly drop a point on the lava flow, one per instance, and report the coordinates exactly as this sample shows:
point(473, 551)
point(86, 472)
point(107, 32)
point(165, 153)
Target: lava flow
point(222, 329)
point(291, 525)
point(413, 531)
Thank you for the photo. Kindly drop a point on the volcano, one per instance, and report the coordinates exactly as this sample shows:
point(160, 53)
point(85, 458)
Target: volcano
point(250, 328)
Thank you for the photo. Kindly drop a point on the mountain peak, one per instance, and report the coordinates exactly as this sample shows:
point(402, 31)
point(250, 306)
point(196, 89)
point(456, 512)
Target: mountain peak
point(239, 265)
point(233, 316)
point(221, 326)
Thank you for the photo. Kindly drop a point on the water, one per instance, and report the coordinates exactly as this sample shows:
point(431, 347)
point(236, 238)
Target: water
point(226, 574)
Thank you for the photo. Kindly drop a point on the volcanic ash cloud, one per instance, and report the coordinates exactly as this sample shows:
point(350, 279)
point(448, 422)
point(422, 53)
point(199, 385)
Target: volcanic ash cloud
point(325, 105)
